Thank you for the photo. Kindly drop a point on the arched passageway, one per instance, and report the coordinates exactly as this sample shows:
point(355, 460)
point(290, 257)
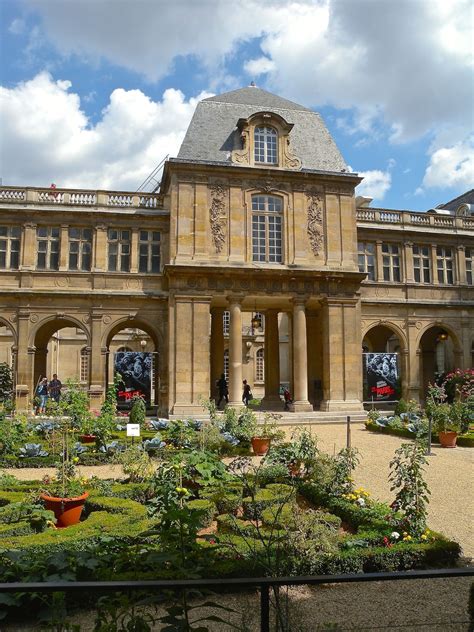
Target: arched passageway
point(383, 365)
point(133, 353)
point(62, 347)
point(439, 353)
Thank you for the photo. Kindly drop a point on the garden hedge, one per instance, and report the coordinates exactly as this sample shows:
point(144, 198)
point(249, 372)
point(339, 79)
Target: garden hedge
point(463, 441)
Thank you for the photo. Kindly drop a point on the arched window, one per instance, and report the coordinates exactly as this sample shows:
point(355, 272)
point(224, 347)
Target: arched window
point(266, 145)
point(84, 368)
point(267, 213)
point(226, 364)
point(259, 365)
point(123, 350)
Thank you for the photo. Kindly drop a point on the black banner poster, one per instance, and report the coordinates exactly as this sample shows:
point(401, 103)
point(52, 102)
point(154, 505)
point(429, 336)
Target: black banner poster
point(381, 377)
point(135, 368)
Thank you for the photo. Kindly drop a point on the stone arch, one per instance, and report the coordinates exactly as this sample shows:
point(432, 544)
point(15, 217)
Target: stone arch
point(437, 354)
point(8, 345)
point(390, 327)
point(155, 335)
point(41, 335)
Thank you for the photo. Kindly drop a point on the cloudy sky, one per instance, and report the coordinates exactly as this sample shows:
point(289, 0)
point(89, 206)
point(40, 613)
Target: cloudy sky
point(94, 93)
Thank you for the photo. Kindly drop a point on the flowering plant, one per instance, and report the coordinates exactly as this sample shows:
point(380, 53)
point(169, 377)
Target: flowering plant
point(359, 496)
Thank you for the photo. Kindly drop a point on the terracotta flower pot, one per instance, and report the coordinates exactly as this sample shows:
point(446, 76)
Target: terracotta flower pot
point(447, 439)
point(66, 510)
point(87, 438)
point(260, 445)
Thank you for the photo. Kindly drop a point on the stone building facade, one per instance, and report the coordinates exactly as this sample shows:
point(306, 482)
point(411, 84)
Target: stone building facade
point(255, 258)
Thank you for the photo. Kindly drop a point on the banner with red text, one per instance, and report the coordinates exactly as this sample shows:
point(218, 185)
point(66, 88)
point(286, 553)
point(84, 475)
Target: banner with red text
point(135, 368)
point(381, 377)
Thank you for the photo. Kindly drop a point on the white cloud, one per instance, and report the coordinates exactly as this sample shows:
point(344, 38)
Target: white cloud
point(43, 119)
point(375, 184)
point(260, 66)
point(451, 166)
point(397, 62)
point(17, 27)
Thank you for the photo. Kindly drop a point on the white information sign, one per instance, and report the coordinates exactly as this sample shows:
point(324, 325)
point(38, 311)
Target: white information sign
point(133, 430)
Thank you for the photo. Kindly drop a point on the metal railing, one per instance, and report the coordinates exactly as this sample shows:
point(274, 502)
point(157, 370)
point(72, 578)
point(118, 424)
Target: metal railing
point(264, 584)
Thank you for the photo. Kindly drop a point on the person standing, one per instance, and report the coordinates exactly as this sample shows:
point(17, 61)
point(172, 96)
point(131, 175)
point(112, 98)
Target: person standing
point(223, 390)
point(42, 393)
point(288, 399)
point(55, 387)
point(247, 394)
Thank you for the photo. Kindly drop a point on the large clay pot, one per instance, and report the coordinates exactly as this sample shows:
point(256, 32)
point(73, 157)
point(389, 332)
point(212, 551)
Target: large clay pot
point(67, 510)
point(447, 439)
point(87, 438)
point(260, 445)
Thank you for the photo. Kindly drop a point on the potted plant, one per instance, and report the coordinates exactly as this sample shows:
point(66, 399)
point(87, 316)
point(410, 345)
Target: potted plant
point(445, 417)
point(65, 495)
point(264, 435)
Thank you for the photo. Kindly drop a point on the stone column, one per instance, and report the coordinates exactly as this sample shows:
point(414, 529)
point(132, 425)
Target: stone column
point(28, 247)
point(134, 252)
point(300, 359)
point(217, 347)
point(408, 260)
point(434, 265)
point(97, 375)
point(460, 272)
point(271, 400)
point(64, 248)
point(379, 259)
point(414, 377)
point(99, 262)
point(235, 353)
point(24, 364)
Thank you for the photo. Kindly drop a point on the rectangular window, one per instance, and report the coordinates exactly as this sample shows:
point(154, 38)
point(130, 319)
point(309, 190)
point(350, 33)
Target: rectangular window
point(149, 251)
point(80, 249)
point(48, 248)
point(422, 264)
point(469, 255)
point(444, 264)
point(391, 262)
point(366, 259)
point(119, 250)
point(226, 322)
point(10, 247)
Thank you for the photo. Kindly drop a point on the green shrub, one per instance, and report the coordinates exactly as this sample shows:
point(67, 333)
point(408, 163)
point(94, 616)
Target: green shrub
point(228, 523)
point(227, 500)
point(273, 473)
point(206, 509)
point(114, 505)
point(263, 498)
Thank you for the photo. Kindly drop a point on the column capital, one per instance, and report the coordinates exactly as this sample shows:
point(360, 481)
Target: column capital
point(235, 299)
point(299, 300)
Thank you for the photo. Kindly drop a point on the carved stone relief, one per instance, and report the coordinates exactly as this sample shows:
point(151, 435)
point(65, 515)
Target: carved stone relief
point(218, 216)
point(315, 221)
point(242, 156)
point(291, 160)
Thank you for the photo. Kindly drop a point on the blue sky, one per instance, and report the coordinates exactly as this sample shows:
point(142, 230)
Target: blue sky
point(96, 92)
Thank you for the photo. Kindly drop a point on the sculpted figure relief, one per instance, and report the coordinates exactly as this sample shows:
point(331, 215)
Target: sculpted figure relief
point(315, 221)
point(217, 216)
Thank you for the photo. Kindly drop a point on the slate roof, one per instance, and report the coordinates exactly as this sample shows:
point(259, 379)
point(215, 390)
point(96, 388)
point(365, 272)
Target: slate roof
point(465, 198)
point(211, 135)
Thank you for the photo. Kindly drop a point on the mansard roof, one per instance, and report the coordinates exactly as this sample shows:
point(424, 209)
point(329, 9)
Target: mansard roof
point(213, 133)
point(465, 198)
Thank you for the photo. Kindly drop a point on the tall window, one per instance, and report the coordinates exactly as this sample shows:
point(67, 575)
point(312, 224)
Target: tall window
point(80, 248)
point(422, 264)
point(226, 322)
point(84, 373)
point(260, 365)
point(444, 263)
point(267, 211)
point(266, 144)
point(366, 256)
point(226, 364)
point(9, 247)
point(391, 262)
point(48, 248)
point(469, 254)
point(149, 251)
point(119, 250)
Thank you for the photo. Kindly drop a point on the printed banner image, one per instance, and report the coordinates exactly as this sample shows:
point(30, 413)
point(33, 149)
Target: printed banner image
point(135, 367)
point(381, 377)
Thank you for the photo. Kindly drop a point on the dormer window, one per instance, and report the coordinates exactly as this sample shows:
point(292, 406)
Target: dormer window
point(266, 145)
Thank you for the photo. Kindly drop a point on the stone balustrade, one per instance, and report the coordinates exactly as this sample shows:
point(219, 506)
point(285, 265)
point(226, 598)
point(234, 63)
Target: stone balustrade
point(408, 218)
point(80, 197)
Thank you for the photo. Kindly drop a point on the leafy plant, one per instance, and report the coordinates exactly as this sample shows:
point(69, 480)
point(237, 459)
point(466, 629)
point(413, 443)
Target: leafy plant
point(31, 450)
point(12, 433)
point(6, 382)
point(412, 493)
point(138, 411)
point(136, 464)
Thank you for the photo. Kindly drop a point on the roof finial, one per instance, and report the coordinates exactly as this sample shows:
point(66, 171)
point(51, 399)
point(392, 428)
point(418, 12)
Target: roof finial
point(252, 84)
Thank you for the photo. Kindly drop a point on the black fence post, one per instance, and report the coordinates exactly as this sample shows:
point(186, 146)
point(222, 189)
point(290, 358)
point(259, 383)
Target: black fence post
point(348, 437)
point(264, 608)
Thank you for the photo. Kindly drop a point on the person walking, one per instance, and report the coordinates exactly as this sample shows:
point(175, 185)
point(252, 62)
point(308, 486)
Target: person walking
point(42, 393)
point(287, 397)
point(223, 390)
point(55, 387)
point(247, 393)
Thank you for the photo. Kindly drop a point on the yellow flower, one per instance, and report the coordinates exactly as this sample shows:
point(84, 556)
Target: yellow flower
point(75, 459)
point(424, 537)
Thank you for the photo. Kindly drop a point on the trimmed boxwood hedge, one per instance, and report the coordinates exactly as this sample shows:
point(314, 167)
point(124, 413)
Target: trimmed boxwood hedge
point(206, 509)
point(463, 441)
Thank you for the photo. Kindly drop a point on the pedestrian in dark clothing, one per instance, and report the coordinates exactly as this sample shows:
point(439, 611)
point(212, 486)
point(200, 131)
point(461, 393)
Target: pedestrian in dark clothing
point(42, 394)
point(288, 400)
point(55, 387)
point(223, 390)
point(247, 394)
